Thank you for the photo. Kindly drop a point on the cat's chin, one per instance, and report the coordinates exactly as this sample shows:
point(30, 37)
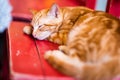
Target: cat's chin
point(42, 35)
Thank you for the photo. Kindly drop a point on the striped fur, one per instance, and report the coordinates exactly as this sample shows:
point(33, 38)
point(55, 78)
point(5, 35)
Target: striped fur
point(89, 41)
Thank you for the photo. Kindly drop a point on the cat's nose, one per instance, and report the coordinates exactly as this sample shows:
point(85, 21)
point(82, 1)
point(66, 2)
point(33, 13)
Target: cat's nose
point(34, 35)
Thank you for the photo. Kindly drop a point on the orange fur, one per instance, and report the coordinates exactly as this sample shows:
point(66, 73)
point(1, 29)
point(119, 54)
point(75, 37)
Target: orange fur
point(89, 41)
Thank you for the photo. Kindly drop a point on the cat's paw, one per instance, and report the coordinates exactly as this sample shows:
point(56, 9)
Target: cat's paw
point(27, 30)
point(64, 63)
point(50, 54)
point(64, 49)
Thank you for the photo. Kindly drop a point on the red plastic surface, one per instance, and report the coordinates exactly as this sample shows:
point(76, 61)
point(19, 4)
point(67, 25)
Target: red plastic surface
point(27, 56)
point(24, 58)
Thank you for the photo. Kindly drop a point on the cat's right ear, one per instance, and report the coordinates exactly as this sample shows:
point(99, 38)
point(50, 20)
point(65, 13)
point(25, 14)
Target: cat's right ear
point(54, 11)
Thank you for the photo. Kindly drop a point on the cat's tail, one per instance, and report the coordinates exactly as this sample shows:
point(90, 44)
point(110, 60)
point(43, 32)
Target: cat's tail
point(72, 66)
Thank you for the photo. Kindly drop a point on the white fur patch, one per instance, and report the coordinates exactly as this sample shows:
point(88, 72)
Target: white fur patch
point(43, 35)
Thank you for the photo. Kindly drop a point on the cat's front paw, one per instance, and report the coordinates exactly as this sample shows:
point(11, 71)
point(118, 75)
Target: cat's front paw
point(27, 30)
point(64, 63)
point(51, 54)
point(64, 49)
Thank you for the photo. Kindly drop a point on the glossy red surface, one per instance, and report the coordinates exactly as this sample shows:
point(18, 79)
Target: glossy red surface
point(23, 55)
point(27, 56)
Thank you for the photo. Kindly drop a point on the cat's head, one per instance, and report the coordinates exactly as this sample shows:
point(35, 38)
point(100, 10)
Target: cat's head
point(46, 22)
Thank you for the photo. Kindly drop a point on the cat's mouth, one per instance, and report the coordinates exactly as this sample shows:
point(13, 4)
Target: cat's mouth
point(42, 35)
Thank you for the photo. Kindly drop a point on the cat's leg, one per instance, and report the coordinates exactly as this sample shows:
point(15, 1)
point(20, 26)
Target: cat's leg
point(63, 48)
point(66, 64)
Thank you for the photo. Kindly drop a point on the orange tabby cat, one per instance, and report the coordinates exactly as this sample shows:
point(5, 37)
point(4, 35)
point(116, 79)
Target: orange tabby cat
point(91, 39)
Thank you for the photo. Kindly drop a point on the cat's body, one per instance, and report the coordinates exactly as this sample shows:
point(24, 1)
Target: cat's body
point(91, 49)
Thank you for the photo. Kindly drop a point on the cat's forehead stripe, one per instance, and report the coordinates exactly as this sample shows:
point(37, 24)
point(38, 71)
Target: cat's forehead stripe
point(36, 18)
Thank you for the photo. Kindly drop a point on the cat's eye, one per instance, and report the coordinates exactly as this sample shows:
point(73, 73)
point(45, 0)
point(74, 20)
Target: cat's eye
point(45, 27)
point(42, 28)
point(48, 24)
point(39, 26)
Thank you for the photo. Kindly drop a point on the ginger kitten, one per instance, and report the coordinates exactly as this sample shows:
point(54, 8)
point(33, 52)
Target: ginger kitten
point(89, 41)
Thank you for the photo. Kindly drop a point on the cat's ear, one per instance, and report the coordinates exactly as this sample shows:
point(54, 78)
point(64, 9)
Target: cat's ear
point(54, 11)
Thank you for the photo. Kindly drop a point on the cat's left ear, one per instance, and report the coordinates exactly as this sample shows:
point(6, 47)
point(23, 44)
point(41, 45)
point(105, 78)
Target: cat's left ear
point(54, 11)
